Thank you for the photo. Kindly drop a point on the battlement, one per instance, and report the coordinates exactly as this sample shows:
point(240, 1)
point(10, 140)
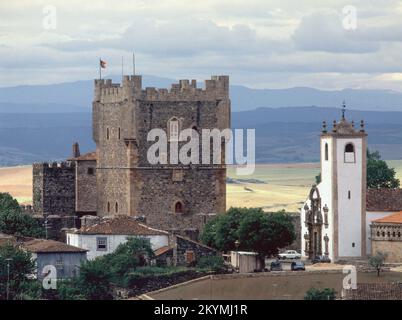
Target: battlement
point(53, 165)
point(131, 88)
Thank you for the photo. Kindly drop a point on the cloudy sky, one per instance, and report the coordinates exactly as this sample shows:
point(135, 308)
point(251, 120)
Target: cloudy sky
point(259, 43)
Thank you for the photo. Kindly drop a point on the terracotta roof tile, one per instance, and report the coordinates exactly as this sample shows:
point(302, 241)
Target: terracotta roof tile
point(121, 225)
point(86, 157)
point(42, 245)
point(384, 200)
point(162, 250)
point(393, 218)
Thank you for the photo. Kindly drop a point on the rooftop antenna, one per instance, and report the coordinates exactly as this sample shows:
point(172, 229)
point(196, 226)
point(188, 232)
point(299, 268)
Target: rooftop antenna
point(343, 109)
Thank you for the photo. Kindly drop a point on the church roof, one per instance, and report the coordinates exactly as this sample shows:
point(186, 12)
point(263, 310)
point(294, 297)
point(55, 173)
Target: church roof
point(393, 218)
point(344, 128)
point(384, 200)
point(120, 225)
point(90, 156)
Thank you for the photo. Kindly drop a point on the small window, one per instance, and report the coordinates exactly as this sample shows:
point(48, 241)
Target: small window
point(190, 256)
point(349, 153)
point(107, 133)
point(378, 233)
point(116, 207)
point(353, 244)
point(108, 206)
point(326, 152)
point(178, 208)
point(59, 264)
point(383, 234)
point(119, 134)
point(349, 194)
point(101, 244)
point(388, 234)
point(399, 234)
point(394, 234)
point(91, 171)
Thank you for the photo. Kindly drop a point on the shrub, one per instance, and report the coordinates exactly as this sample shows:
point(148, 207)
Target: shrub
point(213, 263)
point(317, 294)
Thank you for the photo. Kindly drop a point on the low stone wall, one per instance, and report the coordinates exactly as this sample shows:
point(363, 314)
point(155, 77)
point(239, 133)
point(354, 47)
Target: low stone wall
point(143, 284)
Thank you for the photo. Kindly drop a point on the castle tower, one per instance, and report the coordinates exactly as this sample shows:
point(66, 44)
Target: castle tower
point(342, 195)
point(170, 196)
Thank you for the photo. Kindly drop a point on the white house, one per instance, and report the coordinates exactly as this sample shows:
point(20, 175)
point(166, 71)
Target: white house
point(104, 237)
point(337, 215)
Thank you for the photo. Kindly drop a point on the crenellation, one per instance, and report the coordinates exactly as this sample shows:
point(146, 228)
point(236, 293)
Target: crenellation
point(106, 91)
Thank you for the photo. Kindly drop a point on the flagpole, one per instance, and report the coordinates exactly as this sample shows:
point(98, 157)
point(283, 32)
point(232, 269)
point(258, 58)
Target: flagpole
point(133, 64)
point(122, 67)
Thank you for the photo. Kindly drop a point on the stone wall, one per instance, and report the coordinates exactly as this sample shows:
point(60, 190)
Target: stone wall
point(56, 225)
point(126, 182)
point(85, 190)
point(392, 248)
point(54, 188)
point(184, 245)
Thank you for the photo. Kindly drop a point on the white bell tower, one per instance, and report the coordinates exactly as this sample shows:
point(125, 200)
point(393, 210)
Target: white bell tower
point(342, 193)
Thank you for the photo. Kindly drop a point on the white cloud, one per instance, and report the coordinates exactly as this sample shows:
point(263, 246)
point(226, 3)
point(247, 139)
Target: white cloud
point(278, 43)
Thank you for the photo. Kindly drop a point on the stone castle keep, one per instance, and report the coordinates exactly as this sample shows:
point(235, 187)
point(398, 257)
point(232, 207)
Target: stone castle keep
point(117, 178)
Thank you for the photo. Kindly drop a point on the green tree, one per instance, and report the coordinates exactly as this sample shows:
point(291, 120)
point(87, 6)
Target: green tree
point(249, 229)
point(317, 294)
point(15, 266)
point(15, 222)
point(8, 203)
point(128, 256)
point(94, 280)
point(377, 261)
point(379, 175)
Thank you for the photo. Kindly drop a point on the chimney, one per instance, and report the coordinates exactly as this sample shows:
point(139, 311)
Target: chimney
point(76, 150)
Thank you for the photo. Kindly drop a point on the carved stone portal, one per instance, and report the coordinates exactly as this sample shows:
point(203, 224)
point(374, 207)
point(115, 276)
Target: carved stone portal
point(313, 222)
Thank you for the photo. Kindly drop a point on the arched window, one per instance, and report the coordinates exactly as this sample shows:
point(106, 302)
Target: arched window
point(378, 233)
point(173, 129)
point(116, 207)
point(350, 153)
point(326, 152)
point(178, 207)
point(108, 206)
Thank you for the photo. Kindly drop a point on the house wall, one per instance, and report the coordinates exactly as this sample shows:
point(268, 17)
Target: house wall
point(89, 242)
point(370, 216)
point(71, 262)
point(392, 248)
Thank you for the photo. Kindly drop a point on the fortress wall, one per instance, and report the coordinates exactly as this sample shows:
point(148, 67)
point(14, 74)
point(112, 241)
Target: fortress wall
point(54, 188)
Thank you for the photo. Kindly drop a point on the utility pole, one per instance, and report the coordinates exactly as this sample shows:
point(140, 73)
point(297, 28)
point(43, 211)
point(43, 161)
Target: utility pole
point(46, 227)
point(8, 278)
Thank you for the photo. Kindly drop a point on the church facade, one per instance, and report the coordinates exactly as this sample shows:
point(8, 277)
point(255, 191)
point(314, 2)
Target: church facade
point(337, 218)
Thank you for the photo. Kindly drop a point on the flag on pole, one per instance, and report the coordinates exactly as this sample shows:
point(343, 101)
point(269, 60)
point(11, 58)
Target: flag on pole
point(102, 64)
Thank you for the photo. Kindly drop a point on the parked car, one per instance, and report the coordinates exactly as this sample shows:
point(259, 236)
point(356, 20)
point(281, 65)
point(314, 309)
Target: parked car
point(276, 266)
point(289, 254)
point(297, 266)
point(321, 259)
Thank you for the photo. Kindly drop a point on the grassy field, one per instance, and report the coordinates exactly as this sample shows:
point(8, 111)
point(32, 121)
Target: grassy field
point(272, 186)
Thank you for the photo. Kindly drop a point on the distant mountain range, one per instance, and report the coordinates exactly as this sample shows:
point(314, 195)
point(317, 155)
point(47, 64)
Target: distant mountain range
point(282, 134)
point(74, 96)
point(40, 123)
